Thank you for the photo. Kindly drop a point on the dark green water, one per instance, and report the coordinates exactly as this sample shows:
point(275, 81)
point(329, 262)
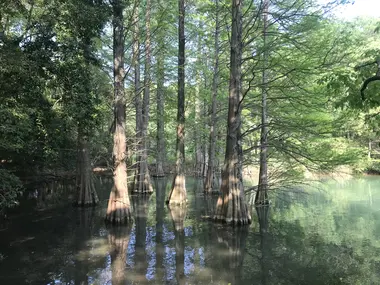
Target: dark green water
point(327, 236)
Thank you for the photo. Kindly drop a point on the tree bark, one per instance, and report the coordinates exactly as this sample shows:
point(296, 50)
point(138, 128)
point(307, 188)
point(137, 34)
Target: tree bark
point(199, 158)
point(210, 184)
point(262, 190)
point(160, 160)
point(87, 195)
point(231, 207)
point(178, 193)
point(142, 183)
point(118, 210)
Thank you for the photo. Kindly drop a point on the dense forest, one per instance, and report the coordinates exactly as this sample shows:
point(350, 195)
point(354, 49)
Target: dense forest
point(251, 96)
point(133, 133)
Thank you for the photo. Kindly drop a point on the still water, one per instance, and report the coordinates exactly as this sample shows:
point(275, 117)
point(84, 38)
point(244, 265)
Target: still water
point(329, 234)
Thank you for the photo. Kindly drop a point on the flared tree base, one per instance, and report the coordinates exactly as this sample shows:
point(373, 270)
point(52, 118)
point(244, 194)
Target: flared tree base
point(261, 198)
point(87, 197)
point(233, 210)
point(178, 195)
point(159, 171)
point(142, 183)
point(119, 209)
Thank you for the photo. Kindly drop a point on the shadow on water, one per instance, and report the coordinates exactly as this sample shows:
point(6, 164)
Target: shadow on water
point(315, 239)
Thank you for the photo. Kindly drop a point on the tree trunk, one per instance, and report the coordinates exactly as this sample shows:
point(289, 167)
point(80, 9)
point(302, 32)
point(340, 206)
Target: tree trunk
point(262, 190)
point(199, 159)
point(118, 210)
point(178, 192)
point(161, 153)
point(142, 179)
point(205, 112)
point(231, 206)
point(210, 174)
point(87, 195)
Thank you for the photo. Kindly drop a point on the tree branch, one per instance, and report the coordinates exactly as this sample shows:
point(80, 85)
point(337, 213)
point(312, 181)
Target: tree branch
point(365, 84)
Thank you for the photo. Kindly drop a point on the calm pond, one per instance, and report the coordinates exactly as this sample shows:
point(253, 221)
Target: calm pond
point(329, 235)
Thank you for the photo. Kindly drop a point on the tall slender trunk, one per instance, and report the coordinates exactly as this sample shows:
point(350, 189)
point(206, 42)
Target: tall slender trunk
point(178, 193)
point(118, 210)
point(204, 140)
point(262, 190)
point(87, 195)
point(199, 159)
point(231, 206)
point(210, 184)
point(160, 158)
point(142, 179)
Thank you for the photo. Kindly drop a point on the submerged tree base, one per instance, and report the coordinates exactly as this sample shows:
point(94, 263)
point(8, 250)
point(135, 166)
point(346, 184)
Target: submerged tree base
point(142, 183)
point(233, 210)
point(119, 209)
point(87, 196)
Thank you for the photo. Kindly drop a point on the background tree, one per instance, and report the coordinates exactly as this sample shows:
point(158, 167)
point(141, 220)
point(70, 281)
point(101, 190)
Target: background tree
point(178, 192)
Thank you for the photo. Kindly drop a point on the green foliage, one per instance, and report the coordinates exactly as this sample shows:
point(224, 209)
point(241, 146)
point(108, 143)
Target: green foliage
point(10, 189)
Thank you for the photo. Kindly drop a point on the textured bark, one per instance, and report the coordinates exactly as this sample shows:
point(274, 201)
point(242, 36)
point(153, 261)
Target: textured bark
point(178, 214)
point(87, 195)
point(160, 158)
point(210, 183)
point(205, 112)
point(199, 158)
point(118, 210)
point(231, 206)
point(178, 193)
point(118, 239)
point(142, 183)
point(262, 190)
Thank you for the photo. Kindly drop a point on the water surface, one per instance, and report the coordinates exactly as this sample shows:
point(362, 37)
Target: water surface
point(328, 235)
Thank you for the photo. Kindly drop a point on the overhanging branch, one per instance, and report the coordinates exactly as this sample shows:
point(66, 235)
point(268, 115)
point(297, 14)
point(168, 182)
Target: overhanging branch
point(365, 84)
